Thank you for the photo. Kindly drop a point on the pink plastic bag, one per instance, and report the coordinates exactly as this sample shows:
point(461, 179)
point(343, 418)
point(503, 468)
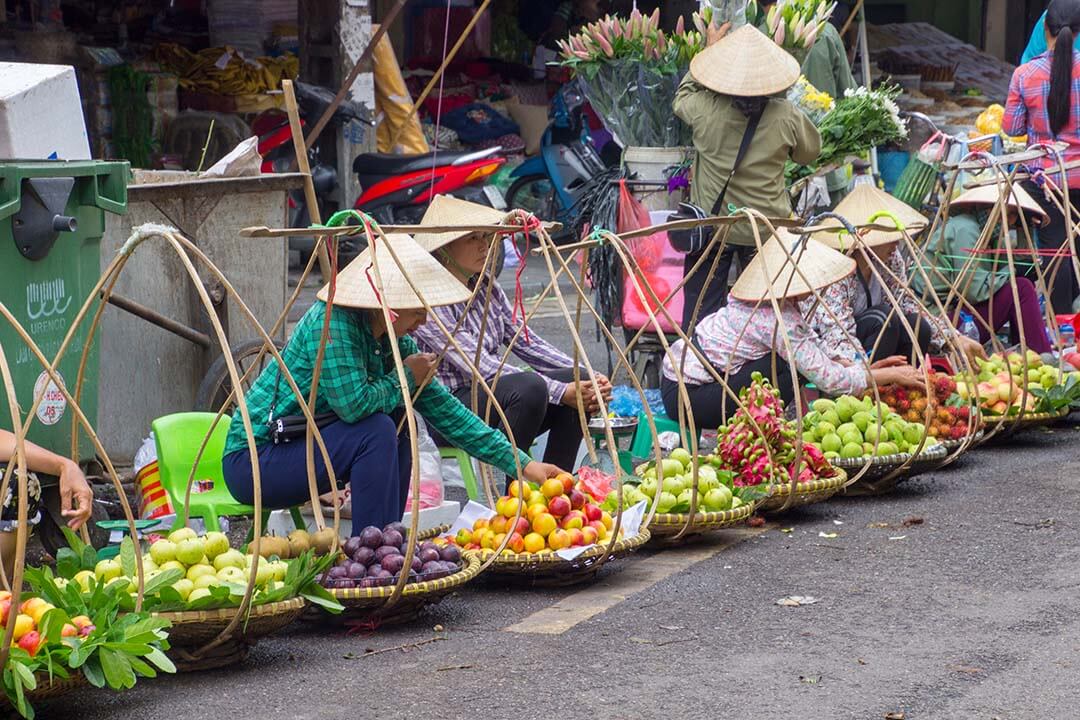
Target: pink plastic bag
point(661, 267)
point(431, 481)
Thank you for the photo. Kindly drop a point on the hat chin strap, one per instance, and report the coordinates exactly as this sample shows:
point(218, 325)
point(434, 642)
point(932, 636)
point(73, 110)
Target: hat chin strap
point(455, 266)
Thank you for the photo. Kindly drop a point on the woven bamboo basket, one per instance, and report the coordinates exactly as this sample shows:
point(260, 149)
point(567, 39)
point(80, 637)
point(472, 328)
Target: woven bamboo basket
point(370, 603)
point(47, 690)
point(548, 569)
point(807, 493)
point(192, 630)
point(665, 527)
point(883, 476)
point(1008, 426)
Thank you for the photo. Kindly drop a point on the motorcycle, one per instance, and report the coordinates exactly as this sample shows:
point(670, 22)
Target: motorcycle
point(552, 184)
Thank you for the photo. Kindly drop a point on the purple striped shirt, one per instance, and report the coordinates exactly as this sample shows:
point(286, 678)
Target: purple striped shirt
point(455, 371)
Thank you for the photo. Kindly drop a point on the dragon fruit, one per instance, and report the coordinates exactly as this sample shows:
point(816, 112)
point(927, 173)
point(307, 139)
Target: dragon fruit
point(745, 448)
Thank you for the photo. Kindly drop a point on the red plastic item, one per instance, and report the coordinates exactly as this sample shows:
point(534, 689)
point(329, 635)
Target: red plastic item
point(661, 270)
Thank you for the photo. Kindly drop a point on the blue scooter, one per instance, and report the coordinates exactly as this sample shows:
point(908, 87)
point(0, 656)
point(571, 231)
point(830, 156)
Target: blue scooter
point(551, 184)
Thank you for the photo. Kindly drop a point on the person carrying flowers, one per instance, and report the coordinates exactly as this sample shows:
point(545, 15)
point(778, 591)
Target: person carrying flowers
point(744, 135)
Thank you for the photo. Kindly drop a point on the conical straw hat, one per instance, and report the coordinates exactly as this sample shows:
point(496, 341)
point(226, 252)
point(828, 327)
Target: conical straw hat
point(745, 63)
point(820, 265)
point(356, 283)
point(988, 195)
point(863, 203)
point(448, 211)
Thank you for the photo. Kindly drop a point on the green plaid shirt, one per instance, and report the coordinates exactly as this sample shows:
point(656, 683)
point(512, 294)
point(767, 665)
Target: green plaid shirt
point(358, 379)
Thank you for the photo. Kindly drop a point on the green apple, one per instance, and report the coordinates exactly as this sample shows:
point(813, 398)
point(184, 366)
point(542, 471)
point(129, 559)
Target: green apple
point(824, 428)
point(665, 502)
point(184, 533)
point(874, 433)
point(190, 551)
point(206, 581)
point(862, 419)
point(823, 405)
point(163, 551)
point(647, 487)
point(852, 438)
point(673, 485)
point(197, 571)
point(264, 574)
point(232, 574)
point(684, 497)
point(851, 450)
point(107, 570)
point(887, 448)
point(229, 558)
point(280, 568)
point(718, 499)
point(214, 544)
point(198, 594)
point(173, 564)
point(846, 407)
point(184, 587)
point(845, 428)
point(831, 417)
point(83, 578)
point(683, 456)
point(831, 443)
point(671, 468)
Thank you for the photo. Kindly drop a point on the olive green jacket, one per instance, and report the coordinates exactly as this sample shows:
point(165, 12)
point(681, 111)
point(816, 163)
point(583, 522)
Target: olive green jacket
point(784, 133)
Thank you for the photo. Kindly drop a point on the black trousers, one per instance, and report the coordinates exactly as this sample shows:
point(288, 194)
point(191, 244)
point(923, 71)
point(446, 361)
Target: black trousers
point(711, 405)
point(1064, 289)
point(523, 398)
point(717, 292)
point(895, 340)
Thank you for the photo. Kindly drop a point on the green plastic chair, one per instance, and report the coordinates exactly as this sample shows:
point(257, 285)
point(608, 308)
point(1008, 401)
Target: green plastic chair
point(178, 438)
point(465, 465)
point(642, 446)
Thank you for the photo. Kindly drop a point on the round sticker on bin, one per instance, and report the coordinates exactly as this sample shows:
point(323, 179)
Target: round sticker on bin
point(53, 403)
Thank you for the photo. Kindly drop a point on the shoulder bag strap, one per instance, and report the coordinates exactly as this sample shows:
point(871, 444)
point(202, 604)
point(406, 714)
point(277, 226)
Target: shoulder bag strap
point(748, 136)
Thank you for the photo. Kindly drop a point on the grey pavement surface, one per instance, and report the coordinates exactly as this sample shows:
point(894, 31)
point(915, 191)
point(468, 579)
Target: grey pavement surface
point(970, 614)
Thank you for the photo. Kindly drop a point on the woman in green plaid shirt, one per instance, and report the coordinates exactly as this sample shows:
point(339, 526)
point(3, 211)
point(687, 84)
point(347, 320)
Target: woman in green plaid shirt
point(360, 387)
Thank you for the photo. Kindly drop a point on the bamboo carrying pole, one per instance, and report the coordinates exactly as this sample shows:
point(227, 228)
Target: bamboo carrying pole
point(310, 197)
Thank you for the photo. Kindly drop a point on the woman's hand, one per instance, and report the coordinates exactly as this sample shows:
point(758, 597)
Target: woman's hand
point(903, 375)
point(971, 347)
point(538, 472)
point(587, 394)
point(76, 497)
point(716, 34)
point(892, 361)
point(422, 366)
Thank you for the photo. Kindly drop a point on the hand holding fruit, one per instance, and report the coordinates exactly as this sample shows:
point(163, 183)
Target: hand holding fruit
point(972, 348)
point(903, 375)
point(422, 366)
point(538, 472)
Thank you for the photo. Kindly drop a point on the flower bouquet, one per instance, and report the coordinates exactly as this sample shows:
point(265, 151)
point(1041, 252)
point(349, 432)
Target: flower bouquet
point(630, 69)
point(793, 24)
point(814, 103)
point(860, 120)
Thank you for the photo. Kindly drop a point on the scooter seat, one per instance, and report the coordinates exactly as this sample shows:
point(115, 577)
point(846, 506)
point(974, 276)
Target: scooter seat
point(383, 164)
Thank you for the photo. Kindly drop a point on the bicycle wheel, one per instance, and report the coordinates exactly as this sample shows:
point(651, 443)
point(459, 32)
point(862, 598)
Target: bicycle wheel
point(534, 194)
point(216, 387)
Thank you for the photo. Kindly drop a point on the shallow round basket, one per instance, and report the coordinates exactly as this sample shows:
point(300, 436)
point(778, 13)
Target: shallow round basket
point(882, 474)
point(432, 533)
point(1007, 426)
point(192, 630)
point(370, 603)
point(548, 569)
point(665, 527)
point(807, 493)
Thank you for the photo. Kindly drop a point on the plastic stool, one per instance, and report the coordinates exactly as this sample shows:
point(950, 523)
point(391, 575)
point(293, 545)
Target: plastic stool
point(465, 465)
point(643, 442)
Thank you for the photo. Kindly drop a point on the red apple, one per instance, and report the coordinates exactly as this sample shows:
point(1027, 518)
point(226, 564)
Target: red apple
point(5, 607)
point(567, 482)
point(577, 538)
point(516, 544)
point(30, 642)
point(599, 527)
point(559, 506)
point(593, 512)
point(589, 535)
point(573, 519)
point(577, 499)
point(522, 527)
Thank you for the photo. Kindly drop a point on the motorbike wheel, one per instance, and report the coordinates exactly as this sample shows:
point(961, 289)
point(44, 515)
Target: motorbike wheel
point(534, 194)
point(217, 385)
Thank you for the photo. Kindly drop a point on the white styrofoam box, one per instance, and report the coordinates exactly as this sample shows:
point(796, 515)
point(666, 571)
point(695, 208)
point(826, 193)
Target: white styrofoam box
point(40, 113)
point(280, 522)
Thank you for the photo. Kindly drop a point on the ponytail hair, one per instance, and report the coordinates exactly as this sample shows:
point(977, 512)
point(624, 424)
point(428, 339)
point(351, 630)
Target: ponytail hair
point(1061, 18)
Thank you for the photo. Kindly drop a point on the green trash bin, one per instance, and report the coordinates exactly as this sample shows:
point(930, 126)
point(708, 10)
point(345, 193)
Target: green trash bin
point(52, 217)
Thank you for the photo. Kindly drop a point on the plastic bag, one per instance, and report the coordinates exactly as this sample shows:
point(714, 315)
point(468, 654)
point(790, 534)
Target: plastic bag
point(661, 268)
point(431, 481)
point(153, 500)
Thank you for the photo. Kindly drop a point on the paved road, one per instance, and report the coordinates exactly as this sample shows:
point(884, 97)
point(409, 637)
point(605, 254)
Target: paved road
point(971, 613)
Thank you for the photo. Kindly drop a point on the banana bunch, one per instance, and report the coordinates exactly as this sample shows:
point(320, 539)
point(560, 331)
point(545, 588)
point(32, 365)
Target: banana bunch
point(224, 71)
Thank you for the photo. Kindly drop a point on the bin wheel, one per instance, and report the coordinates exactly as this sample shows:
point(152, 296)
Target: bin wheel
point(217, 385)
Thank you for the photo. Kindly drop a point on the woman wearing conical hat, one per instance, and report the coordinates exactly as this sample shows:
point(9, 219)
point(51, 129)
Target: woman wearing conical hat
point(859, 307)
point(957, 256)
point(544, 400)
point(744, 336)
point(739, 77)
point(360, 395)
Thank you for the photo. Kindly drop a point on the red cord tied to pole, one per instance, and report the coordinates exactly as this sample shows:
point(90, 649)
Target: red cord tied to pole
point(530, 224)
